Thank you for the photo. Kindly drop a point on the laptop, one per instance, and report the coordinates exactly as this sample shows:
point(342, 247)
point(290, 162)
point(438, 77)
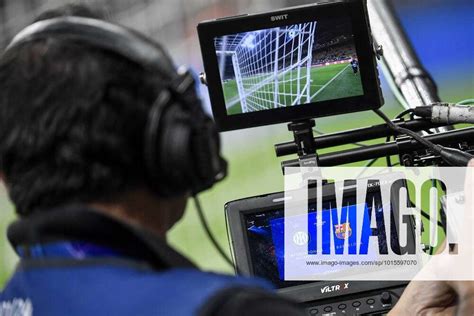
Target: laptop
point(256, 239)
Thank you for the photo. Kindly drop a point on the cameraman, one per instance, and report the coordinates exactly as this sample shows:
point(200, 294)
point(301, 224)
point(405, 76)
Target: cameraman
point(93, 221)
point(79, 123)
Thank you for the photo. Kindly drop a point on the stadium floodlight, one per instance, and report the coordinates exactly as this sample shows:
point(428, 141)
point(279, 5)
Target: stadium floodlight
point(292, 33)
point(272, 69)
point(249, 41)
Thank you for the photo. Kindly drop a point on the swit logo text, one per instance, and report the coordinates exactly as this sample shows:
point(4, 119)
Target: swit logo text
point(279, 17)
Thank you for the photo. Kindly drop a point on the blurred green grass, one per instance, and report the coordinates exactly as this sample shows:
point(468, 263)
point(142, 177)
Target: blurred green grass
point(344, 84)
point(254, 170)
point(7, 257)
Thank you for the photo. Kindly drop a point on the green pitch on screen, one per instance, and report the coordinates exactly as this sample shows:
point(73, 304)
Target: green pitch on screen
point(327, 83)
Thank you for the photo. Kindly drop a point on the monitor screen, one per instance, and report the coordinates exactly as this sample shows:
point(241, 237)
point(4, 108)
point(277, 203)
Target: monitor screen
point(287, 66)
point(265, 239)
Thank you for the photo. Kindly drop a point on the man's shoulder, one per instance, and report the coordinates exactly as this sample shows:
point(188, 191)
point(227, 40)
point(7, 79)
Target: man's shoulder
point(234, 295)
point(194, 292)
point(196, 280)
point(124, 290)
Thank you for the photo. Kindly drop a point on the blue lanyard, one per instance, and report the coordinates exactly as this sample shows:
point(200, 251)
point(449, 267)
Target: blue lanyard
point(67, 249)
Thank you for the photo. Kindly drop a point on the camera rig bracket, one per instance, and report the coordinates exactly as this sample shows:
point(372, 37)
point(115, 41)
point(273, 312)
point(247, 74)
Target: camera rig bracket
point(305, 145)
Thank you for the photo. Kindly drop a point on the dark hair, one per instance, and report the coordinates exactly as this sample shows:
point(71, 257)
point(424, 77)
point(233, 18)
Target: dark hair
point(72, 121)
point(71, 9)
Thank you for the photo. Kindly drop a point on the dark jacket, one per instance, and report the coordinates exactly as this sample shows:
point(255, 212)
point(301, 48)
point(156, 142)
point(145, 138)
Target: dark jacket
point(76, 261)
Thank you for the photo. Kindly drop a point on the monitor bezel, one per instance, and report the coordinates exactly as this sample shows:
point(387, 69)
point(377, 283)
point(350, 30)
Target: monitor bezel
point(355, 9)
point(236, 212)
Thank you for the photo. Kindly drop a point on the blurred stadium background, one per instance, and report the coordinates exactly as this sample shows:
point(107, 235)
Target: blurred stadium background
point(441, 31)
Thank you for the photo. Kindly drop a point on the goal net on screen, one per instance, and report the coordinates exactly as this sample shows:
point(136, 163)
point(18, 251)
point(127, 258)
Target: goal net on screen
point(267, 69)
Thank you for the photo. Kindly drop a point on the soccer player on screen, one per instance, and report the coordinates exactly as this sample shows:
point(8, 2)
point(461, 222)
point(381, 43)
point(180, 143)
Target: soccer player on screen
point(355, 65)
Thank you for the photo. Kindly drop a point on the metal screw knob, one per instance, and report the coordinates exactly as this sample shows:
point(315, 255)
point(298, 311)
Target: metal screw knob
point(203, 78)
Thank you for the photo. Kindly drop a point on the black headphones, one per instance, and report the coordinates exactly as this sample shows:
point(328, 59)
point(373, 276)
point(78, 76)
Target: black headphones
point(181, 143)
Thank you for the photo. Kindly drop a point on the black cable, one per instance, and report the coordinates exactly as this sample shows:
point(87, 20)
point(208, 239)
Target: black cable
point(388, 158)
point(434, 184)
point(399, 116)
point(407, 111)
point(232, 254)
point(452, 156)
point(435, 148)
point(369, 164)
point(428, 217)
point(443, 218)
point(209, 233)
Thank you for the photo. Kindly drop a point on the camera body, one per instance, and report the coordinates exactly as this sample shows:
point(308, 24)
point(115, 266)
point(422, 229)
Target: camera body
point(294, 65)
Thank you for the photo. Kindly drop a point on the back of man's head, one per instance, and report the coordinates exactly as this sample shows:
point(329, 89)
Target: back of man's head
point(72, 121)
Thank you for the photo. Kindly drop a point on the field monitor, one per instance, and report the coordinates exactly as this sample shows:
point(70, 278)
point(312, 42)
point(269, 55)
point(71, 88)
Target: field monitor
point(288, 65)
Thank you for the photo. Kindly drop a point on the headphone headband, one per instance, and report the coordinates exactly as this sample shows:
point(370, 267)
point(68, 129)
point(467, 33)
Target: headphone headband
point(104, 35)
point(181, 144)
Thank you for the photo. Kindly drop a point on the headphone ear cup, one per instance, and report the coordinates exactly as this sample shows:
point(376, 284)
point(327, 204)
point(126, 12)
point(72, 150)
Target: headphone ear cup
point(182, 145)
point(174, 152)
point(209, 165)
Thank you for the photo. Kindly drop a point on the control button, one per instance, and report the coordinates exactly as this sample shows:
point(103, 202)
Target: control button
point(370, 301)
point(328, 309)
point(386, 298)
point(313, 311)
point(356, 303)
point(342, 306)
